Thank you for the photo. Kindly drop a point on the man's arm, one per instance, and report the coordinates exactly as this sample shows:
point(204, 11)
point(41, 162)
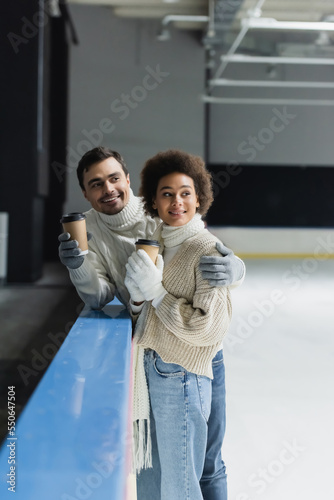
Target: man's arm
point(227, 270)
point(87, 273)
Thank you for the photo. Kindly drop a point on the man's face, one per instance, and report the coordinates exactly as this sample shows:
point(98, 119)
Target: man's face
point(107, 188)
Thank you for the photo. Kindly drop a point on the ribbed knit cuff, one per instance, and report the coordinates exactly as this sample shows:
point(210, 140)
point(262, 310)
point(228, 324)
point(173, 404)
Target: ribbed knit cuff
point(82, 273)
point(158, 300)
point(136, 309)
point(241, 274)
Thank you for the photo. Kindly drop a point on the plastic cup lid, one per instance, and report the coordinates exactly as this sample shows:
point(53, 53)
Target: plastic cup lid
point(153, 243)
point(73, 216)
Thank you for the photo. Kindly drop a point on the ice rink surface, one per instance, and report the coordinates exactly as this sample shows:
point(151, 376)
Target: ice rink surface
point(279, 357)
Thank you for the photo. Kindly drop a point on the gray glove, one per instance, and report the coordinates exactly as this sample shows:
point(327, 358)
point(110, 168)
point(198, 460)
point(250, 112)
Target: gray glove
point(69, 251)
point(221, 271)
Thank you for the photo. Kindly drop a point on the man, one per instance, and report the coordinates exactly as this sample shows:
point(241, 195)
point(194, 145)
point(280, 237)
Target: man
point(116, 220)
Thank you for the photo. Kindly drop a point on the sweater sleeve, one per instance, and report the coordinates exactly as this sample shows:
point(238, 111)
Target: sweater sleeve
point(92, 282)
point(242, 274)
point(203, 322)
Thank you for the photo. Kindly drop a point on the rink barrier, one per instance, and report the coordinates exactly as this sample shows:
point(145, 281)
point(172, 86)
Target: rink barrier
point(72, 439)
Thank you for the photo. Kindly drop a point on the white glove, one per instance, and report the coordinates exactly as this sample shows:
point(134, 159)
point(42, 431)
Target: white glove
point(146, 275)
point(135, 293)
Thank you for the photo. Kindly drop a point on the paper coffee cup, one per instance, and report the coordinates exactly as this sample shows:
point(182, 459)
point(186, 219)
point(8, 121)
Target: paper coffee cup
point(75, 224)
point(151, 247)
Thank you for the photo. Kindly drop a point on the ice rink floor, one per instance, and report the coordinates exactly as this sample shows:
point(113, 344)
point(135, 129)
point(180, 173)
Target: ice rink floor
point(279, 357)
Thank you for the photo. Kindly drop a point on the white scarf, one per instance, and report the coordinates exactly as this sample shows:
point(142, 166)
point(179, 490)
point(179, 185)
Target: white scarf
point(142, 445)
point(171, 236)
point(168, 236)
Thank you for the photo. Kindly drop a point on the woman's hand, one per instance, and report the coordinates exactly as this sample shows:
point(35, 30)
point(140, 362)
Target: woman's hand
point(136, 296)
point(146, 275)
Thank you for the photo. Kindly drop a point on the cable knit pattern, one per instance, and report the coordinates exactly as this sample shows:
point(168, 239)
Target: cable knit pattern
point(188, 325)
point(102, 274)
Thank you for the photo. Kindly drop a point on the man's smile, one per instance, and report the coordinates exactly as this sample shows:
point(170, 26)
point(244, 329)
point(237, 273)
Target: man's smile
point(110, 199)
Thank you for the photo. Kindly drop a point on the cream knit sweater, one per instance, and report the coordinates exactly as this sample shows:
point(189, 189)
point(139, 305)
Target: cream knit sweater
point(188, 325)
point(101, 276)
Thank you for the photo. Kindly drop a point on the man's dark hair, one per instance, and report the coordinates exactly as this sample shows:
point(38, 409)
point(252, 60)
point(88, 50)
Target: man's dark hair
point(171, 161)
point(97, 155)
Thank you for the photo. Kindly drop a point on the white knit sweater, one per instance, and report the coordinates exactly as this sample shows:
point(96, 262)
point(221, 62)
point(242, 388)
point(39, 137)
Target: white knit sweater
point(101, 276)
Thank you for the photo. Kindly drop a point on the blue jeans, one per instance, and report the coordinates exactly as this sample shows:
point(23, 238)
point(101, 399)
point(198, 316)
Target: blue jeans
point(187, 430)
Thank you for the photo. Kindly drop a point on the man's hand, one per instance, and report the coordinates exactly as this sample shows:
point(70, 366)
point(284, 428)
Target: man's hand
point(221, 271)
point(69, 251)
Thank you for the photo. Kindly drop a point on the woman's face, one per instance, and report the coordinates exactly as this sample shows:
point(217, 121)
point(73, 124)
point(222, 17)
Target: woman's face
point(176, 200)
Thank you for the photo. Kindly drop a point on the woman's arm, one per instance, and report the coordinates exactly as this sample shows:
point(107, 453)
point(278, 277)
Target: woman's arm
point(204, 318)
point(204, 321)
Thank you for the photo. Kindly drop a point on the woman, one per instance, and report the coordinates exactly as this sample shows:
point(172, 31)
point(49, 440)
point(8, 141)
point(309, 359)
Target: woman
point(179, 338)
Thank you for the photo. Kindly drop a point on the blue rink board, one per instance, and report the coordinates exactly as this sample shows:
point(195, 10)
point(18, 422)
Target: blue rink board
point(72, 435)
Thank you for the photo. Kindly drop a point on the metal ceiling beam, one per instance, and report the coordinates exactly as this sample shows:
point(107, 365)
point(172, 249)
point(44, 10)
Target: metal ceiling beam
point(244, 29)
point(241, 58)
point(164, 34)
point(224, 82)
point(183, 18)
point(256, 101)
point(272, 24)
point(255, 22)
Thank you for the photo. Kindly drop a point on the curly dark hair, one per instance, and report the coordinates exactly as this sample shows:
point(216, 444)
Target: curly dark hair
point(96, 155)
point(171, 161)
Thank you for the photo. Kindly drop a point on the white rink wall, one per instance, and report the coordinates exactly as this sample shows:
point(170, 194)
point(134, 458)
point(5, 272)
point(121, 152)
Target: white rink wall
point(277, 242)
